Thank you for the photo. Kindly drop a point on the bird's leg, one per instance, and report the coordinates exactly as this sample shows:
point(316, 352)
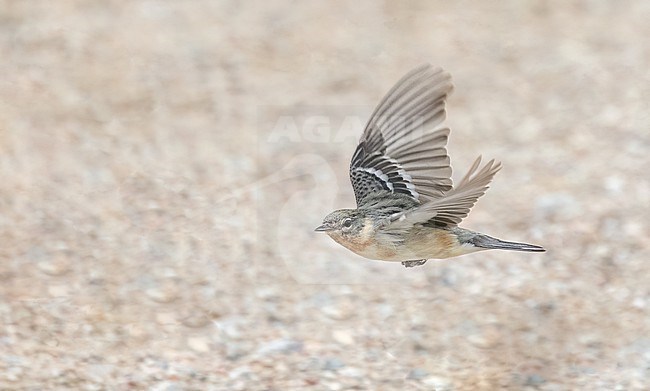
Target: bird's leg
point(414, 263)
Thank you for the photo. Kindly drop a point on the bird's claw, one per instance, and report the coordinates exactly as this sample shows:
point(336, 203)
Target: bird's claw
point(414, 263)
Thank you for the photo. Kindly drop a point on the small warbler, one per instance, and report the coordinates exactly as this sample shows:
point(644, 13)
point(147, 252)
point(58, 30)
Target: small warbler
point(407, 208)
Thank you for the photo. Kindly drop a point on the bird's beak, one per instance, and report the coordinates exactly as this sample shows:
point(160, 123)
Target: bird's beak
point(323, 228)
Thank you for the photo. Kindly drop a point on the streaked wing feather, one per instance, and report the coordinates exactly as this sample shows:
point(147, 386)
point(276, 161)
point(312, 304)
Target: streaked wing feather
point(401, 149)
point(451, 209)
point(456, 204)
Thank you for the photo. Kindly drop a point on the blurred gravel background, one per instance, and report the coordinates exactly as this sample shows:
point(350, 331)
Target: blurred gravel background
point(163, 165)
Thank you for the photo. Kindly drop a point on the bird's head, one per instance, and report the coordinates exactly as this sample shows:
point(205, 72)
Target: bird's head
point(342, 223)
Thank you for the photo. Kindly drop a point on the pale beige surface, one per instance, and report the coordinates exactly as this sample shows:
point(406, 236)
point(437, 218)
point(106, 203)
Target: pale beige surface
point(160, 176)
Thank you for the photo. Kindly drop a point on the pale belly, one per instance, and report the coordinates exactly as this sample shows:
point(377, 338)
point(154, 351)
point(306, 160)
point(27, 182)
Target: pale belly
point(426, 243)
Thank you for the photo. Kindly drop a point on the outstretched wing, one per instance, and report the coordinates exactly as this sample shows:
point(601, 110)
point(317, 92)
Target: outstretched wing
point(453, 207)
point(456, 204)
point(401, 151)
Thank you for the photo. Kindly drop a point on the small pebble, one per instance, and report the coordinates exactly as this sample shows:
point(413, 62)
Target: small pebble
point(333, 364)
point(534, 380)
point(279, 346)
point(438, 383)
point(199, 344)
point(417, 373)
point(343, 337)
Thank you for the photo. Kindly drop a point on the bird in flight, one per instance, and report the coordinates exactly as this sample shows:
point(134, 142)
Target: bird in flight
point(407, 207)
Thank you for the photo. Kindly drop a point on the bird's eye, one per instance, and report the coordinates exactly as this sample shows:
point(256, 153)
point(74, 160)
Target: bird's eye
point(347, 223)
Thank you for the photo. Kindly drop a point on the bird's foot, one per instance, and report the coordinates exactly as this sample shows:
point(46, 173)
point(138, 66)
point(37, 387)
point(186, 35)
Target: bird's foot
point(414, 263)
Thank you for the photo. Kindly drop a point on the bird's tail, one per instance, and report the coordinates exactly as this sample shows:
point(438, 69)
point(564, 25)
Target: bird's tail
point(488, 242)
